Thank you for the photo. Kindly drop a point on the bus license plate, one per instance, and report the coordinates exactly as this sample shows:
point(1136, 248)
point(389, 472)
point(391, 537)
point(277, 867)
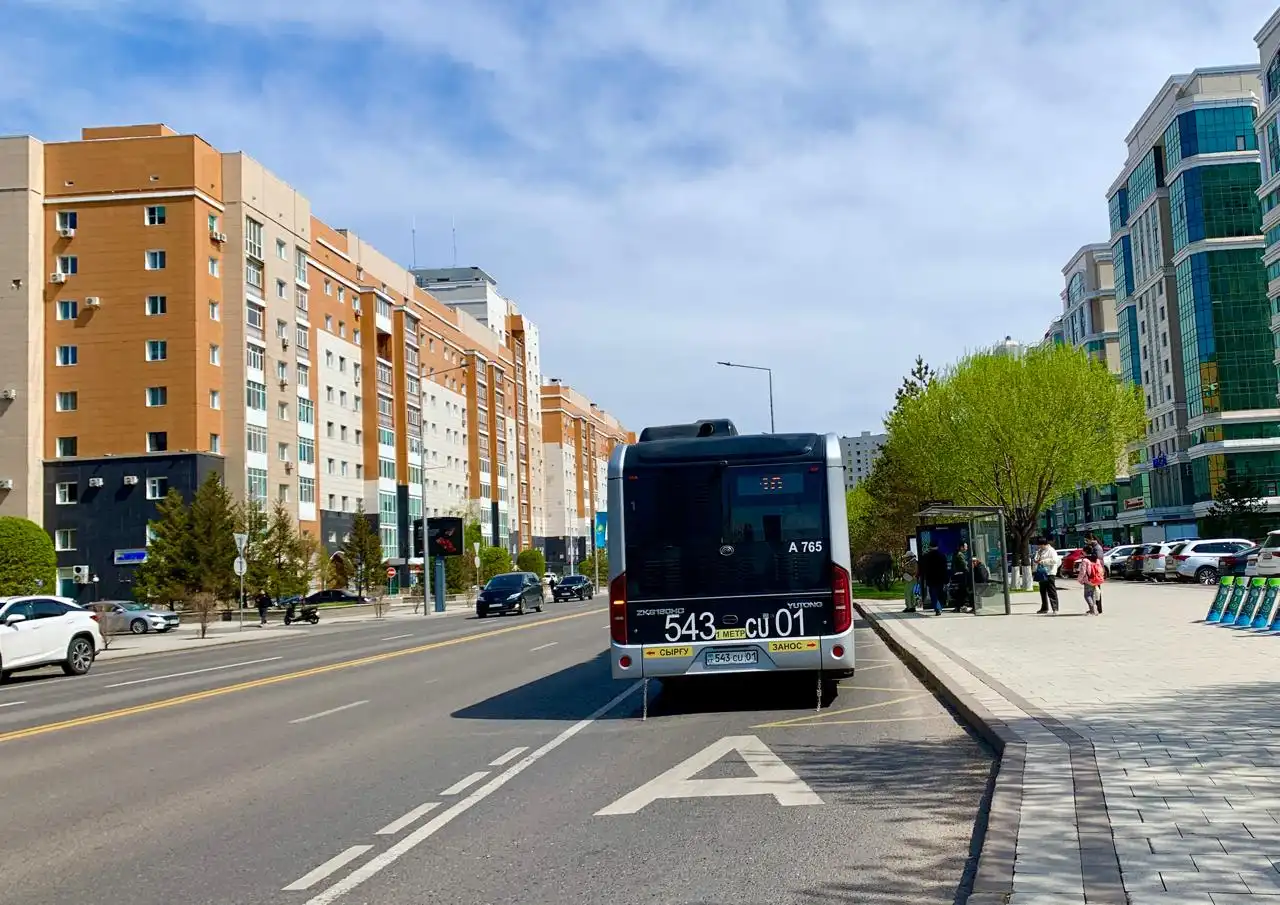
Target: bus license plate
point(732, 658)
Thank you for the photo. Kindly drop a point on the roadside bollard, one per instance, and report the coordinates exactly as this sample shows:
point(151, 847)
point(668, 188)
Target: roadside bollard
point(1263, 619)
point(1233, 605)
point(1251, 601)
point(1225, 586)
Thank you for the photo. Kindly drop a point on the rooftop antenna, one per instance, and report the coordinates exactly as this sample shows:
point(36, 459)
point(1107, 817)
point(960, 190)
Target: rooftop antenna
point(413, 241)
point(453, 228)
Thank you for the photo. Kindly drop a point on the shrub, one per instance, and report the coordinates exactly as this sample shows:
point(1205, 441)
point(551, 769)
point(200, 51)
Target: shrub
point(532, 561)
point(28, 564)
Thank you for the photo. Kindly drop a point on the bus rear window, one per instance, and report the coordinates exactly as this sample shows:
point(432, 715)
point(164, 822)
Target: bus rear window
point(709, 530)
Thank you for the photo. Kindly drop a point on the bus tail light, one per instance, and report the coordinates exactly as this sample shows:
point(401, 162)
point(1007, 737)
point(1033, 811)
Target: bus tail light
point(841, 594)
point(618, 608)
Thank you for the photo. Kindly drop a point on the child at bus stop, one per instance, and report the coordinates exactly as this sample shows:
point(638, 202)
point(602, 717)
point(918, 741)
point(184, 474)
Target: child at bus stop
point(1091, 575)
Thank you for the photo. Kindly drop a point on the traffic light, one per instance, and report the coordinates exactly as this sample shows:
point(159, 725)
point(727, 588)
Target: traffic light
point(417, 537)
point(444, 536)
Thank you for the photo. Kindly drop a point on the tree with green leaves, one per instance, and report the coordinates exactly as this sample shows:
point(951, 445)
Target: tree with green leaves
point(253, 520)
point(1238, 511)
point(531, 560)
point(588, 566)
point(494, 561)
point(288, 555)
point(168, 574)
point(1015, 433)
point(28, 563)
point(212, 525)
point(363, 554)
point(919, 379)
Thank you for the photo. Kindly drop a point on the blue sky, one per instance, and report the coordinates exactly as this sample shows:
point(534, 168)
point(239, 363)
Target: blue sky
point(826, 187)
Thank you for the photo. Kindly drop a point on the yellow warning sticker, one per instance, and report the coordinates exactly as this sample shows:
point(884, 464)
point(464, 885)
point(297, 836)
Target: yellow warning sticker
point(678, 651)
point(786, 647)
point(730, 634)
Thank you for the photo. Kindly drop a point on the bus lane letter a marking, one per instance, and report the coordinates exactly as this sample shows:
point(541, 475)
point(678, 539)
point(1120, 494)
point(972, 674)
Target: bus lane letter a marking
point(772, 777)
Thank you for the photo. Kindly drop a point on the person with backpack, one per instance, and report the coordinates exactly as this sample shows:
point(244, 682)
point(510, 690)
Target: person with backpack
point(1091, 576)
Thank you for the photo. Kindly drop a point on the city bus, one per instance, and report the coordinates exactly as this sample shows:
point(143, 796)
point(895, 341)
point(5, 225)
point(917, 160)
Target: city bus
point(728, 553)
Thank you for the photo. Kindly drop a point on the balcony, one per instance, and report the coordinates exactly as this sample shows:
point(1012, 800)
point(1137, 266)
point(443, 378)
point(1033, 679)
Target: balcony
point(384, 374)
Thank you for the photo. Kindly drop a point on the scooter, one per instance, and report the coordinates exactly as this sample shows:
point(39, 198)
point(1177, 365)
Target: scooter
point(306, 613)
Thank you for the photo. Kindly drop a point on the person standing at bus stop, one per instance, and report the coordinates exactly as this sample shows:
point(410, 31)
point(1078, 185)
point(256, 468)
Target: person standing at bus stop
point(934, 575)
point(1046, 565)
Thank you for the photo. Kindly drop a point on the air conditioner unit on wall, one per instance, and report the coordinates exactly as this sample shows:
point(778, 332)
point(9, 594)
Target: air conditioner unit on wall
point(95, 482)
point(92, 301)
point(131, 479)
point(67, 232)
point(218, 237)
point(9, 394)
point(288, 467)
point(81, 574)
point(6, 484)
point(57, 278)
point(284, 342)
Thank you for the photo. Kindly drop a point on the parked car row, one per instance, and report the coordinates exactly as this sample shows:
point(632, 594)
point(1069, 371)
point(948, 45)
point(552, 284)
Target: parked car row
point(1201, 560)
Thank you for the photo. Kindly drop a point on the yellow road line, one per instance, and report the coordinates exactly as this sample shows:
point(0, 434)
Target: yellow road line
point(272, 680)
point(818, 716)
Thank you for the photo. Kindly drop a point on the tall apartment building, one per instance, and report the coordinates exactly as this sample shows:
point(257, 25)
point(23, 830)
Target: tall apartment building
point(1268, 129)
point(859, 454)
point(174, 310)
point(579, 437)
point(521, 472)
point(1191, 296)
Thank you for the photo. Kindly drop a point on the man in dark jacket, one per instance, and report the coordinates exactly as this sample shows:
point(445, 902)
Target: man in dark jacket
point(933, 576)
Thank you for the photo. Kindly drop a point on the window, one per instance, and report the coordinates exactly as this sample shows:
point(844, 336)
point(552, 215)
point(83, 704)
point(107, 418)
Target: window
point(344, 433)
point(306, 411)
point(215, 443)
point(330, 466)
point(157, 441)
point(215, 399)
point(157, 488)
point(359, 471)
point(328, 322)
point(68, 220)
point(257, 488)
point(282, 372)
point(304, 375)
point(215, 269)
point(355, 335)
point(282, 328)
point(68, 355)
point(256, 439)
point(66, 447)
point(328, 359)
point(253, 273)
point(254, 358)
point(157, 396)
point(155, 259)
point(253, 238)
point(215, 354)
point(256, 397)
point(328, 392)
point(282, 411)
point(282, 452)
point(346, 503)
point(155, 215)
point(157, 350)
point(333, 535)
point(328, 428)
point(302, 299)
point(307, 450)
point(303, 336)
point(282, 493)
point(387, 468)
point(213, 311)
point(68, 265)
point(342, 364)
point(253, 316)
point(64, 539)
point(328, 287)
point(345, 467)
point(213, 223)
point(68, 310)
point(342, 398)
point(68, 493)
point(307, 490)
point(157, 304)
point(342, 293)
point(359, 434)
point(300, 265)
point(342, 329)
point(66, 402)
point(282, 290)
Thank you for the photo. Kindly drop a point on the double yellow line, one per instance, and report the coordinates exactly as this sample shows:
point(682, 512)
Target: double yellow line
point(272, 680)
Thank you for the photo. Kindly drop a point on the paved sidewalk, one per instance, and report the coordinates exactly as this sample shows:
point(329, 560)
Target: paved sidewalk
point(1140, 748)
point(187, 636)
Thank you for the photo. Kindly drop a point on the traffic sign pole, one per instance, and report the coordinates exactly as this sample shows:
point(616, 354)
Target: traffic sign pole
point(240, 567)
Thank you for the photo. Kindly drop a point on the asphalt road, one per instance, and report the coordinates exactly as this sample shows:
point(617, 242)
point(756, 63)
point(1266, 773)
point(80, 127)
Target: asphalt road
point(476, 762)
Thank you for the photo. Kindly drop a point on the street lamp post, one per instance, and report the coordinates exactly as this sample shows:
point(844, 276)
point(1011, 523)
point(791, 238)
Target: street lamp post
point(769, 371)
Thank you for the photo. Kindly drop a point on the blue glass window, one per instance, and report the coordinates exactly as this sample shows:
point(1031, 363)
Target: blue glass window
point(1273, 79)
point(1118, 206)
point(1122, 260)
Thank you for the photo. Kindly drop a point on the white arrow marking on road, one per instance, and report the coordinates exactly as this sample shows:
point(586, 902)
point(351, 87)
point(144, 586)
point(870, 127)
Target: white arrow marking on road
point(334, 863)
point(543, 646)
point(508, 757)
point(194, 672)
point(396, 826)
point(465, 783)
point(772, 777)
point(383, 860)
point(316, 716)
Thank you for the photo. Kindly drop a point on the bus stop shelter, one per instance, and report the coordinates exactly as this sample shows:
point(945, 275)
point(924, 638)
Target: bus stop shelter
point(985, 576)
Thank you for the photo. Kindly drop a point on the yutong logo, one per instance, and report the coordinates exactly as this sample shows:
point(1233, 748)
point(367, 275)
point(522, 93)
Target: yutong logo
point(726, 550)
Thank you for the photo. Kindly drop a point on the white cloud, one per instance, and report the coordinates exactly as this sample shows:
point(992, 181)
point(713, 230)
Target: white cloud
point(664, 184)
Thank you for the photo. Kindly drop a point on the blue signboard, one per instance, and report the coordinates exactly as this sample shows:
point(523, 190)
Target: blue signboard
point(602, 530)
point(130, 557)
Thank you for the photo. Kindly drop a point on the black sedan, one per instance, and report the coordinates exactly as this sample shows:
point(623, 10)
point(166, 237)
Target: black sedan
point(573, 586)
point(510, 592)
point(335, 595)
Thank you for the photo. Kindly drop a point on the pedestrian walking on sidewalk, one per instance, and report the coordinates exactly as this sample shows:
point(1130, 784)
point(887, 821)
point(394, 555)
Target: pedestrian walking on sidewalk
point(933, 576)
point(264, 603)
point(1046, 564)
point(1091, 576)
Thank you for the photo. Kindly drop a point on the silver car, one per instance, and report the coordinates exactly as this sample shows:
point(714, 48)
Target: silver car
point(1199, 560)
point(1153, 567)
point(119, 616)
point(1114, 559)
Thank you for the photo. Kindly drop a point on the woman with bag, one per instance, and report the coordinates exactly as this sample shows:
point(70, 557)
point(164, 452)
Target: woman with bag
point(1046, 564)
point(1091, 575)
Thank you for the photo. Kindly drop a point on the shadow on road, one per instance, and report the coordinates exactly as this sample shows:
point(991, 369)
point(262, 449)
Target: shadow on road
point(570, 694)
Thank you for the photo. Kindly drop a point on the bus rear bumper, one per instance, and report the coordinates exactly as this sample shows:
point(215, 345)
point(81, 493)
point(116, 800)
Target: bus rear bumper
point(831, 655)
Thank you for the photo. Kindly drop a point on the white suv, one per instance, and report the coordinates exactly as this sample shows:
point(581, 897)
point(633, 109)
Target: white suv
point(46, 631)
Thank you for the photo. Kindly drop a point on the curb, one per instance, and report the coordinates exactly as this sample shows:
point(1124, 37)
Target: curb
point(993, 882)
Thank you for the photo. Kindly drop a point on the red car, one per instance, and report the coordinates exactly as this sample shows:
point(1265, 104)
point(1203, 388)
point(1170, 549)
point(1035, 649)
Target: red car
point(1070, 559)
